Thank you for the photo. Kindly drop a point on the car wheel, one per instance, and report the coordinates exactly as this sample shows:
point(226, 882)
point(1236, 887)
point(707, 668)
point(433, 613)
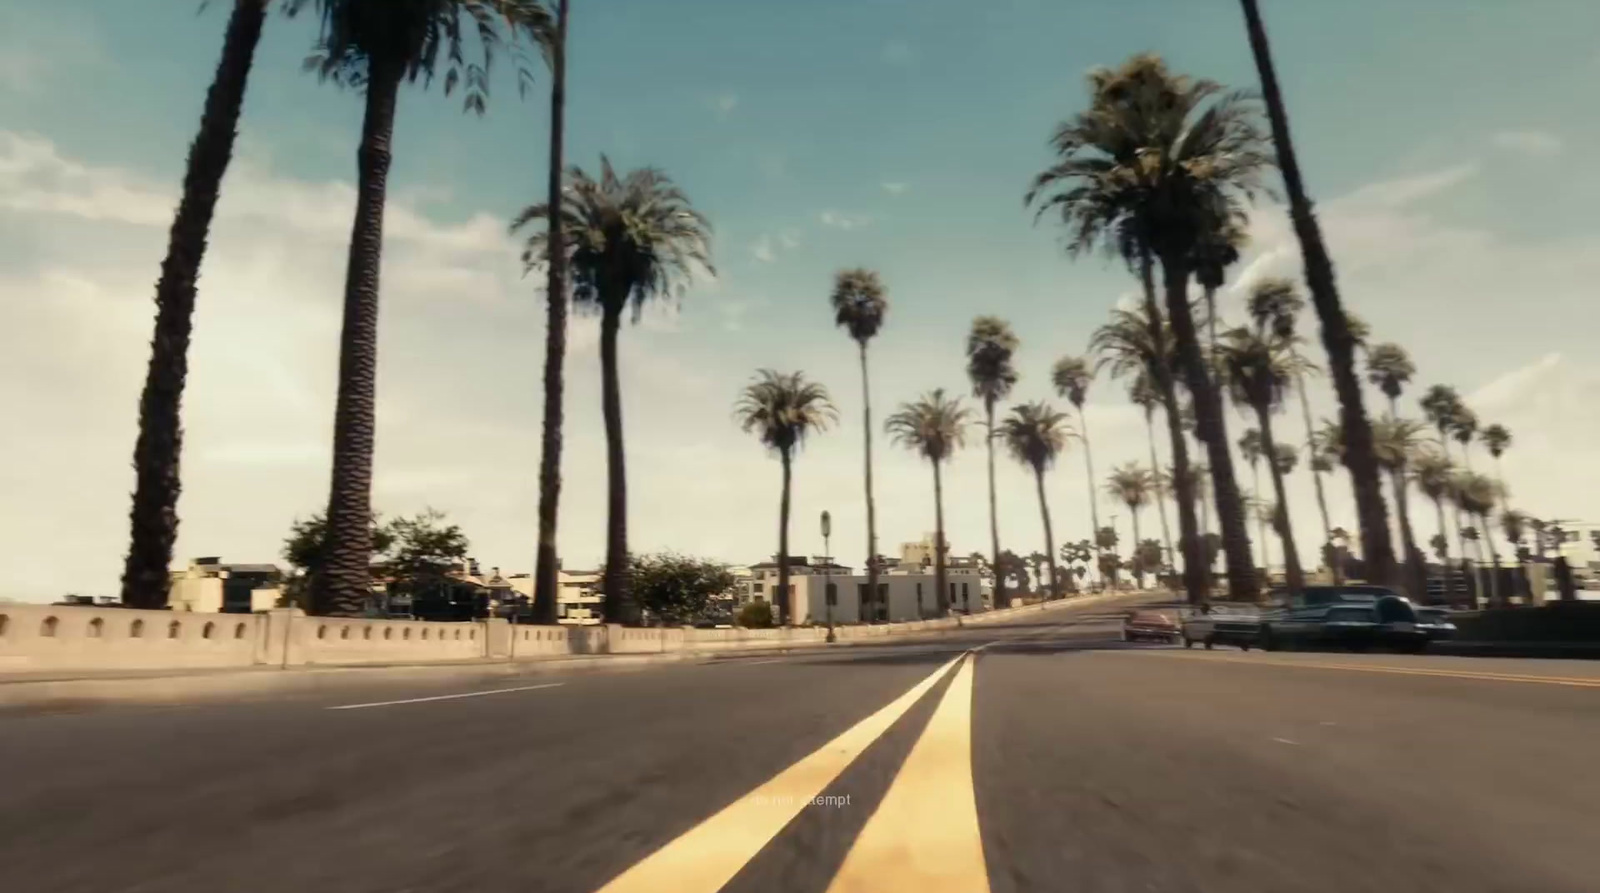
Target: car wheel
point(1244, 646)
point(1210, 644)
point(1269, 640)
point(1188, 642)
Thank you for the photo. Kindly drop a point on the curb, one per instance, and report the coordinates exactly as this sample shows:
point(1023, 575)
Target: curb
point(1538, 650)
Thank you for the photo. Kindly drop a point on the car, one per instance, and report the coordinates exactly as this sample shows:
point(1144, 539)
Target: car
point(1435, 622)
point(1212, 625)
point(1355, 617)
point(1150, 626)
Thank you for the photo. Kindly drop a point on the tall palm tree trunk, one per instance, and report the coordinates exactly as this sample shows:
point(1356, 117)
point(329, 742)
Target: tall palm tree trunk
point(546, 565)
point(618, 594)
point(1196, 575)
point(943, 599)
point(781, 597)
point(994, 515)
point(1316, 476)
point(872, 509)
point(1088, 464)
point(1474, 562)
point(345, 582)
point(1212, 426)
point(1494, 563)
point(1161, 503)
point(1293, 572)
point(1416, 570)
point(1261, 521)
point(1138, 566)
point(1444, 536)
point(153, 518)
point(1049, 536)
point(1360, 457)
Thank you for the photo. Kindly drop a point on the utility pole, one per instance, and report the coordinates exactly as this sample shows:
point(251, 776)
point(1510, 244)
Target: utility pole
point(827, 571)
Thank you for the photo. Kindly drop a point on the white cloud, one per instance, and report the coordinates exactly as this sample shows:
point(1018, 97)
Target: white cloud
point(767, 247)
point(789, 239)
point(895, 188)
point(898, 52)
point(762, 250)
point(725, 104)
point(841, 220)
point(1537, 143)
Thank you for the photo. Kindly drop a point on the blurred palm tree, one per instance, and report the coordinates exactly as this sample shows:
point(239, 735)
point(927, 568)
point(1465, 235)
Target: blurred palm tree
point(1035, 434)
point(1135, 486)
point(1497, 439)
point(1434, 474)
point(859, 303)
point(990, 347)
point(1157, 164)
point(1398, 440)
point(1261, 366)
point(1477, 495)
point(1252, 449)
point(375, 46)
point(1337, 338)
point(1276, 304)
point(1143, 394)
point(782, 409)
point(630, 240)
point(153, 517)
point(935, 426)
point(1071, 377)
point(1390, 368)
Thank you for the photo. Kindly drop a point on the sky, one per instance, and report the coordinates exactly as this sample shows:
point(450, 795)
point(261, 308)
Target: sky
point(1438, 139)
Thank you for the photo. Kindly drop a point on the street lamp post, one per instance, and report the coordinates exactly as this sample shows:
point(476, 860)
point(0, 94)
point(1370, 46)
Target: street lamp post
point(827, 572)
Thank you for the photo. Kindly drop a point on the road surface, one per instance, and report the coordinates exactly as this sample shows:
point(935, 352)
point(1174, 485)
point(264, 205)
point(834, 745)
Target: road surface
point(1042, 755)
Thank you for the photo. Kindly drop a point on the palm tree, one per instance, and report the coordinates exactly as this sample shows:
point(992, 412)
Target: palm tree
point(153, 519)
point(1034, 434)
point(1253, 449)
point(1134, 485)
point(782, 409)
point(1137, 343)
point(859, 304)
point(1497, 439)
point(1150, 167)
point(1143, 394)
point(1434, 473)
point(1390, 368)
point(1376, 547)
point(629, 240)
point(1260, 367)
point(1442, 406)
point(935, 426)
point(1215, 250)
point(1397, 441)
point(990, 346)
point(546, 563)
point(375, 46)
point(1476, 495)
point(1071, 377)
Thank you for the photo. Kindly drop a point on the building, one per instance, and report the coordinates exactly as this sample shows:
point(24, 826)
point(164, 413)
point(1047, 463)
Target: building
point(208, 586)
point(906, 588)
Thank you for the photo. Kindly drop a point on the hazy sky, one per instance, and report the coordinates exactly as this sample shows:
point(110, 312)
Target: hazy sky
point(1439, 138)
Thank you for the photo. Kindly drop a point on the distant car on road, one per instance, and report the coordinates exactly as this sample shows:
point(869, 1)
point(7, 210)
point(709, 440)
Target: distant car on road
point(1353, 617)
point(1435, 623)
point(1150, 626)
point(1212, 625)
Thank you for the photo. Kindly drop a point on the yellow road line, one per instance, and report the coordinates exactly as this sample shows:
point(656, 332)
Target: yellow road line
point(1572, 681)
point(924, 836)
point(707, 856)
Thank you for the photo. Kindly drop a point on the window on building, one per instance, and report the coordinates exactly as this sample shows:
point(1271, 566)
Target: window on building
point(755, 587)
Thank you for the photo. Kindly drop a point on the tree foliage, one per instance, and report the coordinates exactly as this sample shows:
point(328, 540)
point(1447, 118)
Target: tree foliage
point(677, 589)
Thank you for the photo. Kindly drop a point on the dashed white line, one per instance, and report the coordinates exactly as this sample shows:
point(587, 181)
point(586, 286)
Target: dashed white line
point(468, 694)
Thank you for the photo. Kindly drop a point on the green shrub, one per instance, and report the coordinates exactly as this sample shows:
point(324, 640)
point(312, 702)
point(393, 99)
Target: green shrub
point(756, 615)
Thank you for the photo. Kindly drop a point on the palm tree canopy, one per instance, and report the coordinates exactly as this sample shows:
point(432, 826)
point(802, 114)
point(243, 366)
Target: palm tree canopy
point(1285, 458)
point(1071, 377)
point(1035, 434)
point(1127, 345)
point(783, 408)
point(423, 37)
point(629, 240)
point(1260, 368)
point(1274, 304)
point(1132, 483)
point(934, 425)
point(1464, 425)
point(1496, 439)
point(1390, 368)
point(1396, 440)
point(1475, 492)
point(1360, 329)
point(1251, 445)
point(859, 303)
point(1515, 525)
point(1217, 248)
point(990, 347)
point(1328, 440)
point(1155, 161)
point(1142, 392)
point(1433, 473)
point(1440, 403)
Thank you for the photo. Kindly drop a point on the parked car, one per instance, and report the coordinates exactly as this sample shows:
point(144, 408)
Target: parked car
point(1435, 622)
point(1352, 616)
point(1150, 626)
point(1212, 625)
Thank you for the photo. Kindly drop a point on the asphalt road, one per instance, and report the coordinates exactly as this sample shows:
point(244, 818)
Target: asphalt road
point(1038, 756)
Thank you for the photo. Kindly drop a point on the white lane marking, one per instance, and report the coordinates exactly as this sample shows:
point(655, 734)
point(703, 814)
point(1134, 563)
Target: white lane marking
point(924, 836)
point(469, 694)
point(704, 858)
point(1286, 741)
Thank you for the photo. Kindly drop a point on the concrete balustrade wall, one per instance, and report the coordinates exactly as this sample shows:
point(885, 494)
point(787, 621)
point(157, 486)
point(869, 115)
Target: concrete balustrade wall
point(56, 638)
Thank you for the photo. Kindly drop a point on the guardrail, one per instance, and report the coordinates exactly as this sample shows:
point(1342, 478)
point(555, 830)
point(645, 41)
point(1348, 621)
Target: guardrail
point(57, 638)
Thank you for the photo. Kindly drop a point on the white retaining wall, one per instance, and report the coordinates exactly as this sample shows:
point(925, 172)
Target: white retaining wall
point(56, 638)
